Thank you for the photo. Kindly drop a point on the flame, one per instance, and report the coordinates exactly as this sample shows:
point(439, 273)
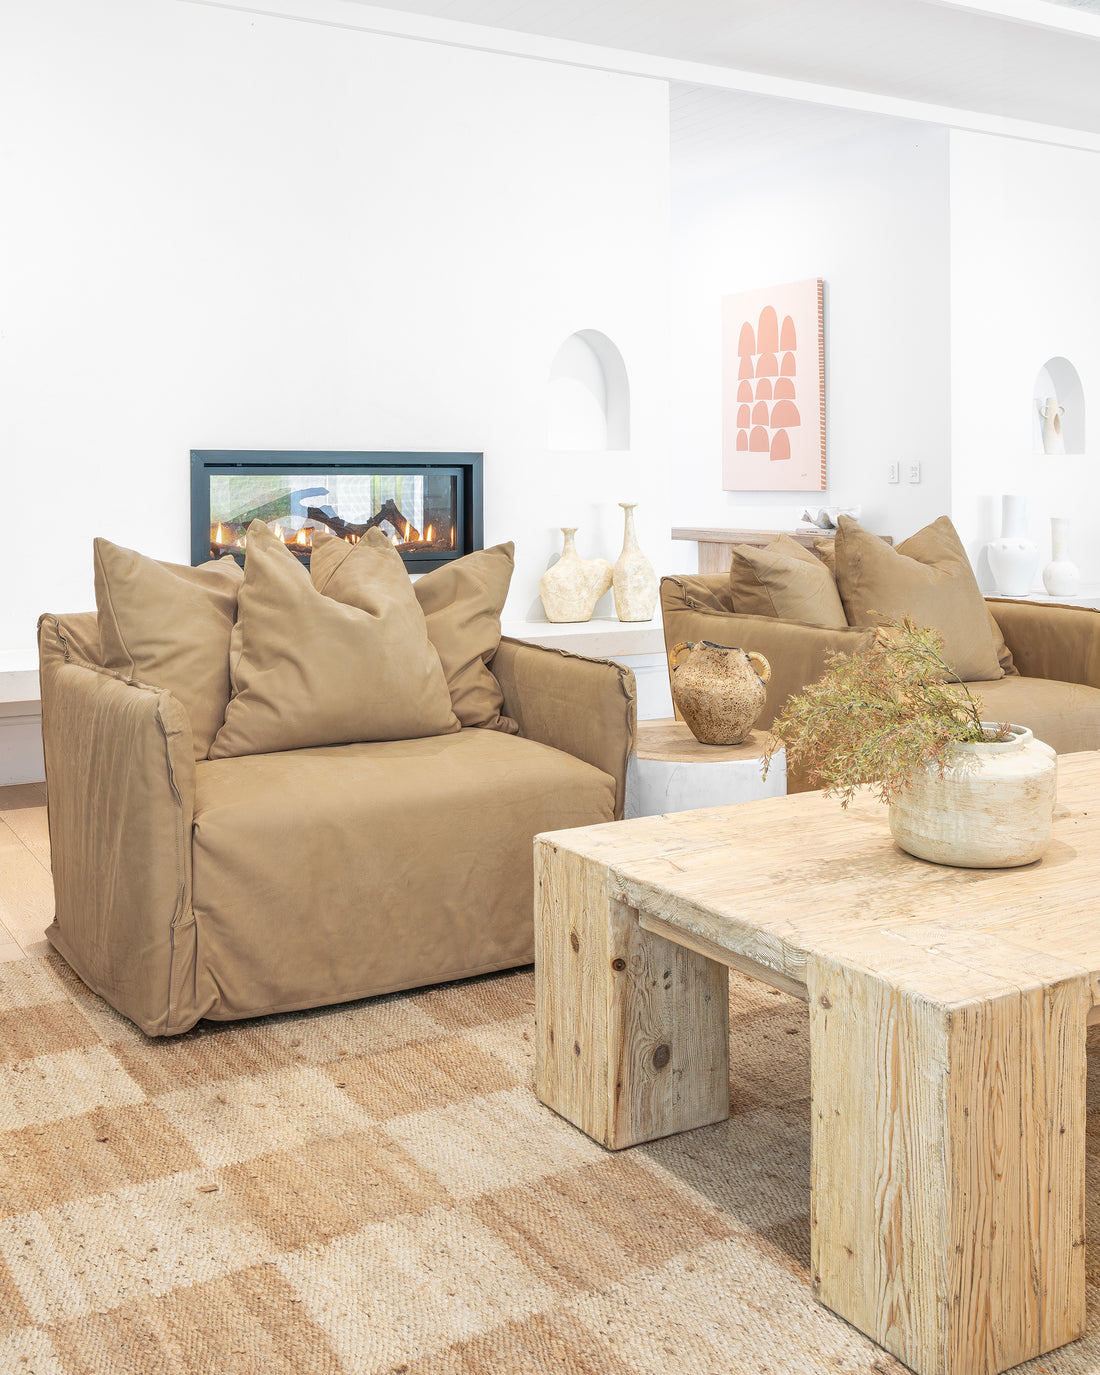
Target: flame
point(428, 534)
point(394, 539)
point(452, 537)
point(221, 534)
point(279, 534)
point(304, 537)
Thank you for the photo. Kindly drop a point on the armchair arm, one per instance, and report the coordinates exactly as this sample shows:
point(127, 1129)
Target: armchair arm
point(120, 787)
point(1051, 641)
point(586, 707)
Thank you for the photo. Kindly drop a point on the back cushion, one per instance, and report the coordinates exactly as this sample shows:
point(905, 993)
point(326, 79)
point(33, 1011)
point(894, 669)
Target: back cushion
point(169, 625)
point(927, 577)
point(785, 580)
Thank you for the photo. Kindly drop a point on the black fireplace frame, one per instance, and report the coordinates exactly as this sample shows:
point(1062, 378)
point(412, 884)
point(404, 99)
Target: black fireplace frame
point(466, 467)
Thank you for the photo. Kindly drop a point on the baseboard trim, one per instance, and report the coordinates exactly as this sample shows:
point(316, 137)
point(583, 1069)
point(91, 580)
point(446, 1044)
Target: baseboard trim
point(21, 744)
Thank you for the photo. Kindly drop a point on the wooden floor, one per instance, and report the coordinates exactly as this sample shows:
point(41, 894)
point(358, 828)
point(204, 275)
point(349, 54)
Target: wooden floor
point(26, 890)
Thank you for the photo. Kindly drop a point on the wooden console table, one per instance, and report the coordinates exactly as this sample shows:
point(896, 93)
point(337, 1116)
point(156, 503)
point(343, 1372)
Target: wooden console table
point(716, 546)
point(948, 1010)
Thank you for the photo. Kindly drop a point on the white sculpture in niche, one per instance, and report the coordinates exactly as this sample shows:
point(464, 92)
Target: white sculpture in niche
point(1052, 413)
point(571, 588)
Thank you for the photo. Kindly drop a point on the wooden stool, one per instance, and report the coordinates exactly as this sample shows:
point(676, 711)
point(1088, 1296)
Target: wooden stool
point(670, 771)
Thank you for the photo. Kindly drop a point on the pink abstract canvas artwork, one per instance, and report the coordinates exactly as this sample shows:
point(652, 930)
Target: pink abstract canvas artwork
point(773, 389)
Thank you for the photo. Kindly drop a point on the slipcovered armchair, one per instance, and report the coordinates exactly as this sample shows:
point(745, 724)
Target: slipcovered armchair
point(191, 881)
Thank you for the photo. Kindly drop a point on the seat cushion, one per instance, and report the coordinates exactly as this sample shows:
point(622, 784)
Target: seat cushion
point(1064, 715)
point(327, 874)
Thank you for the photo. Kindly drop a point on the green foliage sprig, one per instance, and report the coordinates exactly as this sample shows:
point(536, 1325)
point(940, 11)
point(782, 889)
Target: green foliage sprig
point(879, 717)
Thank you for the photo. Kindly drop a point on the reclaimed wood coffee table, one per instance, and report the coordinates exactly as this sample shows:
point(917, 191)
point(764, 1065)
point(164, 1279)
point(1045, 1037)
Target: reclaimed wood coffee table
point(948, 1010)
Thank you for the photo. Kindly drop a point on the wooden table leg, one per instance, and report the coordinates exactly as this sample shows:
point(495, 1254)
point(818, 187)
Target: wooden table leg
point(632, 1030)
point(948, 1156)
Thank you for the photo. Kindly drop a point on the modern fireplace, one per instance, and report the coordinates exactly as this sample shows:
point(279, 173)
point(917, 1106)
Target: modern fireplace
point(428, 504)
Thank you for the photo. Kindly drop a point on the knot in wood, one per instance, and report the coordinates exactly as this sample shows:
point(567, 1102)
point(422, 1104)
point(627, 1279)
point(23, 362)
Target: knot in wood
point(661, 1056)
point(618, 964)
point(825, 1000)
point(574, 940)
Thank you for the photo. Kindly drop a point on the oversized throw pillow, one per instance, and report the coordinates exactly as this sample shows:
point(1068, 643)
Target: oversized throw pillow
point(928, 577)
point(462, 602)
point(308, 670)
point(169, 625)
point(785, 580)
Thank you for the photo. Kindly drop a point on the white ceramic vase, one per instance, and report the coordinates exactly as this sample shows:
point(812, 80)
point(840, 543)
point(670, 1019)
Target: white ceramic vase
point(993, 808)
point(1013, 558)
point(1061, 577)
point(633, 579)
point(571, 588)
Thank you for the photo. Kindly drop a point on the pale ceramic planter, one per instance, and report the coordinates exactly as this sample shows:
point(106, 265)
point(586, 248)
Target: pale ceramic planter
point(571, 587)
point(992, 809)
point(633, 581)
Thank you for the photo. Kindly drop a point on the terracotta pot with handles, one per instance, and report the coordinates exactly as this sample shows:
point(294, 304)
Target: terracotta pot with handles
point(718, 689)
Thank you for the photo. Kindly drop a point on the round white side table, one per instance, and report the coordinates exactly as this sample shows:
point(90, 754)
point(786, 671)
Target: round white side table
point(670, 771)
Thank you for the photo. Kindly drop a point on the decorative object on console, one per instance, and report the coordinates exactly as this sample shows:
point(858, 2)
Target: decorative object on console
point(571, 588)
point(962, 791)
point(825, 517)
point(1013, 558)
point(632, 579)
point(718, 690)
point(1052, 412)
point(1061, 577)
point(773, 358)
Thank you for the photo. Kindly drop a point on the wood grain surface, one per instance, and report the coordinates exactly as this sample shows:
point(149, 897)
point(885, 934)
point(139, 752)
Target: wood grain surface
point(948, 1010)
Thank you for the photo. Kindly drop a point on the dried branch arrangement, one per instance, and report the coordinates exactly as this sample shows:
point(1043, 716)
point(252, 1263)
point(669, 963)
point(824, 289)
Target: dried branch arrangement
point(879, 717)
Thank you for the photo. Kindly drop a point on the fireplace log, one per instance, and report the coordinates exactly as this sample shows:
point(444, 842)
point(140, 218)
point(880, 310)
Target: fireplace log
point(387, 511)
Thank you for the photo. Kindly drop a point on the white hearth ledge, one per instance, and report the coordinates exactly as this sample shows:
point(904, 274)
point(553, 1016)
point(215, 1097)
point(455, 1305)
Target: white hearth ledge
point(603, 637)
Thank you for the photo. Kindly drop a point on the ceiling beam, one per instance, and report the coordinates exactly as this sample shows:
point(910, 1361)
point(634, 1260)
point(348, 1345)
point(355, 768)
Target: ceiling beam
point(364, 18)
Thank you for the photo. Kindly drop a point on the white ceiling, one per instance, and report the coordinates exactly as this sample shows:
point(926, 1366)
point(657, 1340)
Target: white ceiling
point(1025, 60)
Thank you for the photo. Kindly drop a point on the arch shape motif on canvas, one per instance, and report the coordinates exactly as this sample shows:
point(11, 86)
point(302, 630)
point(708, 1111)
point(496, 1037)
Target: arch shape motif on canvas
point(588, 394)
point(774, 402)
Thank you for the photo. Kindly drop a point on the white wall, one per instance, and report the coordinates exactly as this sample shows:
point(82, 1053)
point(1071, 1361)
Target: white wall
point(1025, 287)
point(224, 230)
point(869, 215)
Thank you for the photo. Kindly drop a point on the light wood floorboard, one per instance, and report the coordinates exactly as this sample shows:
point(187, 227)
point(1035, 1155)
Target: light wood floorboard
point(26, 889)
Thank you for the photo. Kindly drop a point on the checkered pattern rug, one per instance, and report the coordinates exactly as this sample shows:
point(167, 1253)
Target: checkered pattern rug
point(373, 1189)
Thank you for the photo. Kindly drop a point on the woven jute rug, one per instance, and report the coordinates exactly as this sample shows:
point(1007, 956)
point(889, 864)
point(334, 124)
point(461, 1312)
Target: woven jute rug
point(374, 1188)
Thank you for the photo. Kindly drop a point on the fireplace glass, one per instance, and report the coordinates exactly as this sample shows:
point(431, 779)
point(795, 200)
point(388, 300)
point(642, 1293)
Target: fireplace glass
point(427, 504)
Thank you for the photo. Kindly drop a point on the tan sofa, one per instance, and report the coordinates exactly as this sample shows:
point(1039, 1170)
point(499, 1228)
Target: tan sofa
point(230, 887)
point(1052, 670)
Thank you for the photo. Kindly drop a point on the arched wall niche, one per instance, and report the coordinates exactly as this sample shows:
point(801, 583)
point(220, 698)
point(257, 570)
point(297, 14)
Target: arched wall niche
point(1058, 381)
point(588, 395)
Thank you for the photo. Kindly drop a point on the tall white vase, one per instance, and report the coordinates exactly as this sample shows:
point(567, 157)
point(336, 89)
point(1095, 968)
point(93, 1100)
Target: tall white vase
point(1013, 558)
point(1061, 577)
point(634, 582)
